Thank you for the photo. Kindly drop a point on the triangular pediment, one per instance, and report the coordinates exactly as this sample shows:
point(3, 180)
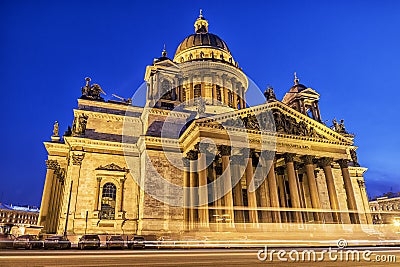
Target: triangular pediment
point(166, 66)
point(167, 63)
point(287, 122)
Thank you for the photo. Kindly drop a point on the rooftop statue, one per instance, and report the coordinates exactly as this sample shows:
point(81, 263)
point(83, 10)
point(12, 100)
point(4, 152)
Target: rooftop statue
point(55, 129)
point(270, 94)
point(339, 127)
point(92, 91)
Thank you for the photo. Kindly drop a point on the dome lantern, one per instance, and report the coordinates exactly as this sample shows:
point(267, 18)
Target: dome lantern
point(201, 24)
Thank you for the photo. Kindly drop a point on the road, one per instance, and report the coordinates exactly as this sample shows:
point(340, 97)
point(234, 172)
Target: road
point(192, 257)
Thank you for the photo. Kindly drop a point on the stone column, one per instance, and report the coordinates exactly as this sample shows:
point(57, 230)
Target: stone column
point(191, 89)
point(186, 193)
point(225, 152)
point(315, 202)
point(367, 210)
point(273, 192)
point(203, 190)
point(351, 199)
point(236, 161)
point(214, 90)
point(52, 165)
point(242, 98)
point(75, 177)
point(216, 189)
point(60, 199)
point(251, 193)
point(57, 200)
point(325, 163)
point(193, 156)
point(53, 202)
point(280, 177)
point(265, 200)
point(293, 186)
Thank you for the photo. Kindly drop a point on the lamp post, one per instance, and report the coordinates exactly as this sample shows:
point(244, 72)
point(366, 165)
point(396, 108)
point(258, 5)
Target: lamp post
point(69, 203)
point(86, 220)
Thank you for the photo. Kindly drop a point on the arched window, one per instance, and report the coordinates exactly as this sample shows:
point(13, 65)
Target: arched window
point(197, 90)
point(108, 198)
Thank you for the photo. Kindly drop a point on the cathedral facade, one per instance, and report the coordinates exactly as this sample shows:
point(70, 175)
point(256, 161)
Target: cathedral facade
point(197, 158)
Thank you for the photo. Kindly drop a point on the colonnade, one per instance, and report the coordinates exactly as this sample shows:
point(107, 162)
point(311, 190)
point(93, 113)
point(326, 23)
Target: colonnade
point(215, 89)
point(288, 191)
point(50, 208)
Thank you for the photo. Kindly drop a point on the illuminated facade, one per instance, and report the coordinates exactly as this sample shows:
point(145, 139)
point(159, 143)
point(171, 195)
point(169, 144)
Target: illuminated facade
point(385, 210)
point(16, 215)
point(94, 171)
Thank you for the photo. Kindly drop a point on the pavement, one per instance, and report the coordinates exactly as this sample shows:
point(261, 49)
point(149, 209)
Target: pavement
point(357, 256)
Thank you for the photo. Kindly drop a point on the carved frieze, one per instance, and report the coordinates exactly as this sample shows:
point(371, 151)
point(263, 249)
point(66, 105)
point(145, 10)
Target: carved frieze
point(288, 125)
point(284, 124)
point(112, 167)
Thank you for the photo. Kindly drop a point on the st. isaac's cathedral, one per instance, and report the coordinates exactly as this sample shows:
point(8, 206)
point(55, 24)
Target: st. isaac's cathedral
point(197, 159)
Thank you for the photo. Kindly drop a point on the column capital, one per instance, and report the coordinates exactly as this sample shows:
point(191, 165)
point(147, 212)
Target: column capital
point(186, 163)
point(298, 165)
point(237, 159)
point(99, 179)
point(192, 155)
point(224, 150)
point(361, 183)
point(324, 162)
point(205, 148)
point(60, 172)
point(52, 164)
point(343, 163)
point(77, 158)
point(289, 157)
point(280, 171)
point(307, 159)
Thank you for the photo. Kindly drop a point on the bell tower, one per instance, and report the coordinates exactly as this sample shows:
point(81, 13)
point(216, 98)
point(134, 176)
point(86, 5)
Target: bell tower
point(303, 99)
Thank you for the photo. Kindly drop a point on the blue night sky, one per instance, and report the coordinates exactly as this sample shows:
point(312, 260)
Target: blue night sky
point(348, 51)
